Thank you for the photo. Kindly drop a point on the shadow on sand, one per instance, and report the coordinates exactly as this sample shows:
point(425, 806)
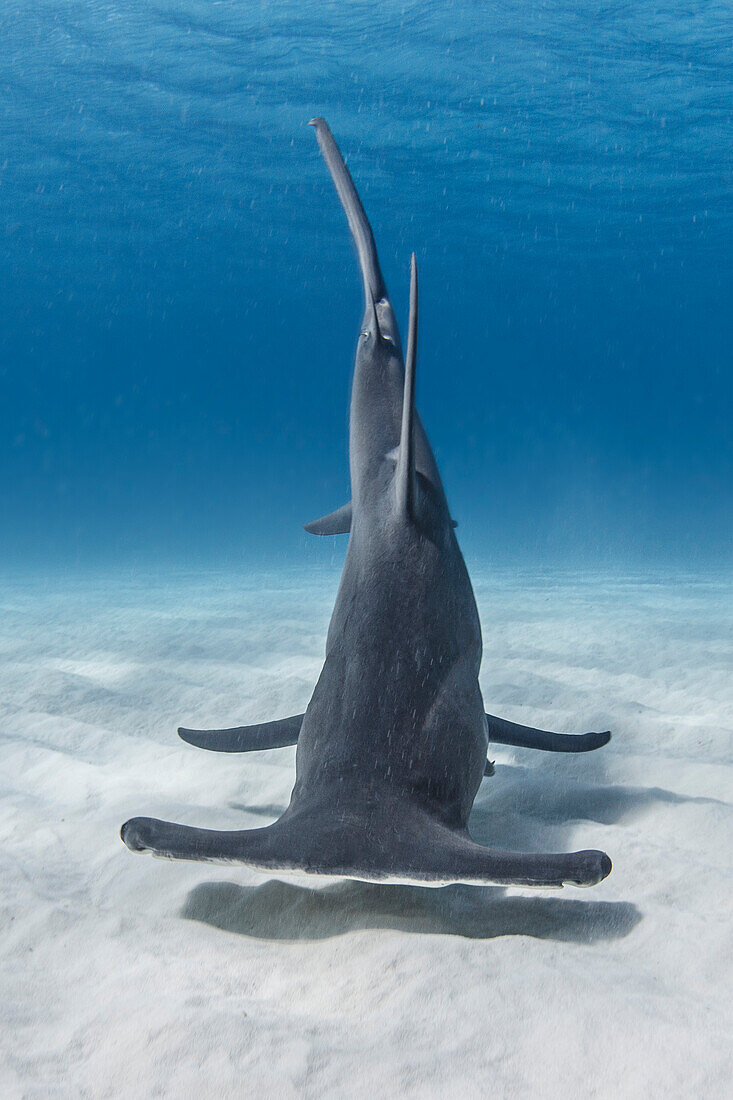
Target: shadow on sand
point(283, 911)
point(554, 798)
point(528, 810)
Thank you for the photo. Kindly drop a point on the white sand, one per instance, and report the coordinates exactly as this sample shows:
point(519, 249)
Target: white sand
point(125, 976)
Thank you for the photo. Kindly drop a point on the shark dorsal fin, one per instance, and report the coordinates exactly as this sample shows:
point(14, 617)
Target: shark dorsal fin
point(405, 471)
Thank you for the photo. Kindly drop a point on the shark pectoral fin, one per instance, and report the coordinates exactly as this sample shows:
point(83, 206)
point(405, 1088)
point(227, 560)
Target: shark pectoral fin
point(335, 523)
point(266, 735)
point(502, 732)
point(489, 768)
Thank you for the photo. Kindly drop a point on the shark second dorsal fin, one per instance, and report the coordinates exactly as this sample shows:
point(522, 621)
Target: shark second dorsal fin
point(405, 471)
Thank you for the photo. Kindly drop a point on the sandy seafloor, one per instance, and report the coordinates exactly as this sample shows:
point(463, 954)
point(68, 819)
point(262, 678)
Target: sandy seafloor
point(125, 976)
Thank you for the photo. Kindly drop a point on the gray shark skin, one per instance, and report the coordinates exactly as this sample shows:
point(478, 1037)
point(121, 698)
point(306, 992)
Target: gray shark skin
point(392, 747)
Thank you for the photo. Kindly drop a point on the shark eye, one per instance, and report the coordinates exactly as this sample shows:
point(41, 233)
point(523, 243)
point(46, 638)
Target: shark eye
point(364, 334)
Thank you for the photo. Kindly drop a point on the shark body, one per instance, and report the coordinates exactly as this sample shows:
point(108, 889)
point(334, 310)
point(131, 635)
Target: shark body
point(393, 745)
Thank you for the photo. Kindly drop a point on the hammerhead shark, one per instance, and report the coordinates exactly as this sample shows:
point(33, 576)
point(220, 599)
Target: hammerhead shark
point(393, 745)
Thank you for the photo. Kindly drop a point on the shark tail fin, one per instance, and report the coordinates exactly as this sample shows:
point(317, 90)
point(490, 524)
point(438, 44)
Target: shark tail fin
point(405, 472)
point(374, 287)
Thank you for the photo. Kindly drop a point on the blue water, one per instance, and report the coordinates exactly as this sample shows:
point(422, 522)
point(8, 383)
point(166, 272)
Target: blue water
point(181, 300)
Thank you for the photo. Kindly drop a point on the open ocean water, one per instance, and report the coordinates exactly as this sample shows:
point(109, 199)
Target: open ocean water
point(181, 298)
point(181, 304)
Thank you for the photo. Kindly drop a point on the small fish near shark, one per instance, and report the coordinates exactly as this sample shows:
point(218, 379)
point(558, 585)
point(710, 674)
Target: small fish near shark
point(393, 745)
